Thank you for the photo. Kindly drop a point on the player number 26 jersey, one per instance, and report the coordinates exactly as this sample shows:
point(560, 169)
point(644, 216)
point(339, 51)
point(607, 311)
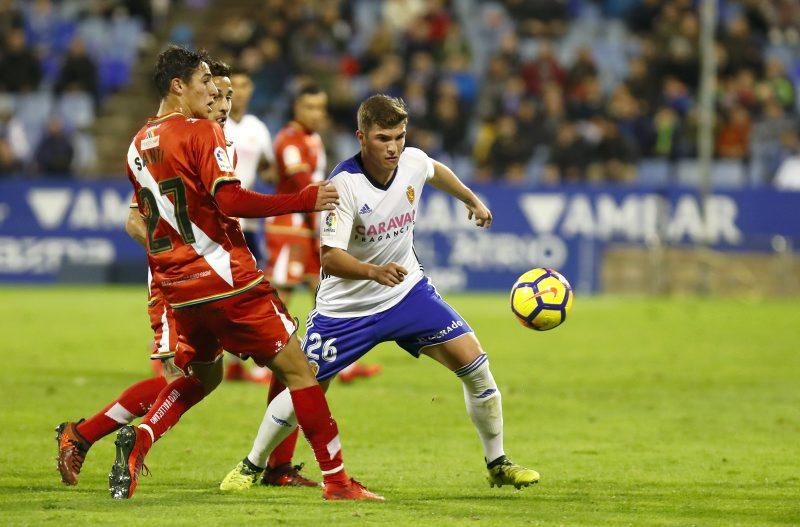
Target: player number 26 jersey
point(375, 224)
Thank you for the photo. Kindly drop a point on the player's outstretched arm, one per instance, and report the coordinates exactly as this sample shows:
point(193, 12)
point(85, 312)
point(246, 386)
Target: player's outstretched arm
point(237, 202)
point(338, 262)
point(445, 180)
point(135, 227)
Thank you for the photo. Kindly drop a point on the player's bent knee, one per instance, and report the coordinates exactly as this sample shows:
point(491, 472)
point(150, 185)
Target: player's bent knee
point(455, 353)
point(208, 373)
point(170, 371)
point(291, 366)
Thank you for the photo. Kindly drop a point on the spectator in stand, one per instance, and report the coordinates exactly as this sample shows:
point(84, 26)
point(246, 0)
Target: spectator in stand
point(543, 70)
point(533, 131)
point(777, 84)
point(582, 68)
point(541, 18)
point(587, 100)
point(733, 138)
point(79, 72)
point(745, 50)
point(14, 148)
point(55, 152)
point(642, 15)
point(508, 156)
point(614, 157)
point(19, 68)
point(451, 122)
point(570, 156)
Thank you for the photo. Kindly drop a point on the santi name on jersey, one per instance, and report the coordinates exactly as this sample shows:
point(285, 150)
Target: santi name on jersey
point(149, 157)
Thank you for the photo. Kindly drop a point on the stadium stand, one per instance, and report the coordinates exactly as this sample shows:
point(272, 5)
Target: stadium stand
point(540, 91)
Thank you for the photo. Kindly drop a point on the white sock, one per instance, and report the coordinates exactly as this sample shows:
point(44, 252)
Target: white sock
point(279, 421)
point(484, 405)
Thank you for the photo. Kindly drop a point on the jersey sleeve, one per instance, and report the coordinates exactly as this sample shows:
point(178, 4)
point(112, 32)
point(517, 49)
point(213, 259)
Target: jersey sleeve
point(336, 225)
point(296, 163)
point(425, 161)
point(211, 155)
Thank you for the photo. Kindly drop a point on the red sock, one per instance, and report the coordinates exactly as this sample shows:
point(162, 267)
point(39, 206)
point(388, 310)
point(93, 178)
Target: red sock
point(173, 401)
point(133, 402)
point(314, 417)
point(284, 452)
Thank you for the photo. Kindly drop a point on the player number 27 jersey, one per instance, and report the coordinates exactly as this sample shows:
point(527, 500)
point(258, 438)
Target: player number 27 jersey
point(195, 251)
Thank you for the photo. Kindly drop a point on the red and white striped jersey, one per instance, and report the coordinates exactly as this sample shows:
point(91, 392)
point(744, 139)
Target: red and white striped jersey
point(195, 251)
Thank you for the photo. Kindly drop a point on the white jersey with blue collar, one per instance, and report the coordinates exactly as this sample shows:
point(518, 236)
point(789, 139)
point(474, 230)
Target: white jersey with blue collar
point(375, 224)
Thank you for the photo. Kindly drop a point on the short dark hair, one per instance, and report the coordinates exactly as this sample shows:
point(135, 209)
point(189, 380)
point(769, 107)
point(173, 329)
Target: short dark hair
point(307, 88)
point(219, 68)
point(382, 110)
point(176, 62)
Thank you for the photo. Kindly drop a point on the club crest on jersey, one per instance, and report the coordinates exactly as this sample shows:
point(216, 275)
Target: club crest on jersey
point(222, 159)
point(410, 194)
point(330, 223)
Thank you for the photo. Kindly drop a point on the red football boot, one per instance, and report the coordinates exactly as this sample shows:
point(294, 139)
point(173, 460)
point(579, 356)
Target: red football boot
point(132, 445)
point(286, 475)
point(352, 490)
point(72, 449)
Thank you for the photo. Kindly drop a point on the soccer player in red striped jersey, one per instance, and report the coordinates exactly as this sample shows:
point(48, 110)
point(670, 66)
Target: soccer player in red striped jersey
point(189, 197)
point(74, 439)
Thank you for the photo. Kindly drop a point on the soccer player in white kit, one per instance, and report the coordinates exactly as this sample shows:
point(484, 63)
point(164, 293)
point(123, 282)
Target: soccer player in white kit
point(253, 150)
point(373, 288)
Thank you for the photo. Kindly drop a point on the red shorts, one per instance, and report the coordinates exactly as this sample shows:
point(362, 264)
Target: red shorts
point(293, 250)
point(162, 322)
point(254, 323)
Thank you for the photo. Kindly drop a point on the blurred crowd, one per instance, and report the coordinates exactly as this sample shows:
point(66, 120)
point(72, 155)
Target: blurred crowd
point(59, 60)
point(540, 90)
point(545, 91)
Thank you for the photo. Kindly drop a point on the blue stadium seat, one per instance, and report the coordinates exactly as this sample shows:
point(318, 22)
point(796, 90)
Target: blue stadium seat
point(653, 172)
point(728, 174)
point(76, 109)
point(724, 173)
point(114, 73)
point(85, 152)
point(33, 110)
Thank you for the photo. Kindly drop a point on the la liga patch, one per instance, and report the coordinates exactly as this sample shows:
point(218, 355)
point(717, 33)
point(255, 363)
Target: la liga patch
point(329, 224)
point(222, 159)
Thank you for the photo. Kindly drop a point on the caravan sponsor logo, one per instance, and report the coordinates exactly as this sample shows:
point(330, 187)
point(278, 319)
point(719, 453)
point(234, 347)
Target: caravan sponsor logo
point(394, 226)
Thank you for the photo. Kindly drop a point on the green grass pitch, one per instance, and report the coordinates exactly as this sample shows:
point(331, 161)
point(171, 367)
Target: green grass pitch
point(635, 412)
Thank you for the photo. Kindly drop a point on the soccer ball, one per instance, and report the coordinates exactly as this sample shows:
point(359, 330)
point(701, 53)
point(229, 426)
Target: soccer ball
point(541, 299)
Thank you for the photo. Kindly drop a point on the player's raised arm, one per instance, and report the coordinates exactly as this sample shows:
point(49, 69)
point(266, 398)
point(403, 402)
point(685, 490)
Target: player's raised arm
point(445, 180)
